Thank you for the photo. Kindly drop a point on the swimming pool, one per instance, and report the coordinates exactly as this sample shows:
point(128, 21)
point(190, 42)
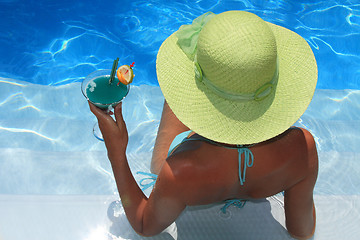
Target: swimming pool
point(55, 180)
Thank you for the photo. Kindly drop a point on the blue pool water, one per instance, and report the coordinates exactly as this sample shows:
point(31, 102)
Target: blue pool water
point(59, 42)
point(47, 151)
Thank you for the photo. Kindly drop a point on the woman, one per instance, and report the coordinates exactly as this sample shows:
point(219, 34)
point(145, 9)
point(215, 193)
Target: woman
point(239, 83)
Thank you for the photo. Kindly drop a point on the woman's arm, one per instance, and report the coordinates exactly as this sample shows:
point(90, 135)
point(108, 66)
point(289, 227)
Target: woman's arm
point(147, 216)
point(299, 204)
point(169, 127)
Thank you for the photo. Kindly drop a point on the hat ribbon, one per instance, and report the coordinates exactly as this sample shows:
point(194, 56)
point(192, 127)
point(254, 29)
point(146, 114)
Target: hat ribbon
point(188, 34)
point(187, 40)
point(261, 93)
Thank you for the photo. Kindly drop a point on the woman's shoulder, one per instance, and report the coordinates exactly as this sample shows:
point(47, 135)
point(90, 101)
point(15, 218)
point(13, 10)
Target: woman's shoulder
point(311, 149)
point(299, 146)
point(305, 137)
point(306, 132)
point(293, 149)
point(296, 135)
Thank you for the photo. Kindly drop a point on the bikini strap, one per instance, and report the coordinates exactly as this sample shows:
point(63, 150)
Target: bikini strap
point(178, 140)
point(248, 155)
point(248, 162)
point(150, 178)
point(239, 203)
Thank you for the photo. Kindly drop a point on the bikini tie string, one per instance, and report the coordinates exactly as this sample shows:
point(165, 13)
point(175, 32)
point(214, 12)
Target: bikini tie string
point(235, 202)
point(148, 181)
point(248, 162)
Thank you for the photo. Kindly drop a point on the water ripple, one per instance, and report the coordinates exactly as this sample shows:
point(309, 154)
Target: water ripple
point(77, 44)
point(19, 130)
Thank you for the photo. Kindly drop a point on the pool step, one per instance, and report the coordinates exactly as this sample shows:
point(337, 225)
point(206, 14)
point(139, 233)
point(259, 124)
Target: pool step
point(100, 217)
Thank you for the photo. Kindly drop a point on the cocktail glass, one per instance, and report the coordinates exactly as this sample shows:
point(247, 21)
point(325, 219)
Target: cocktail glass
point(97, 89)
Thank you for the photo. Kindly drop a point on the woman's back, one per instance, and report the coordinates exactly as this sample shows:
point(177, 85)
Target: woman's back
point(210, 172)
point(200, 171)
point(205, 173)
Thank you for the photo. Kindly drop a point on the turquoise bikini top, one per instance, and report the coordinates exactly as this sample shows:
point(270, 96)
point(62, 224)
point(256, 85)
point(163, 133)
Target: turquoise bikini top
point(248, 155)
point(150, 178)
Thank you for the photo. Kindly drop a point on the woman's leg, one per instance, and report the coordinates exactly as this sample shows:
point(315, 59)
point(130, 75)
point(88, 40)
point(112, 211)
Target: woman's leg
point(169, 127)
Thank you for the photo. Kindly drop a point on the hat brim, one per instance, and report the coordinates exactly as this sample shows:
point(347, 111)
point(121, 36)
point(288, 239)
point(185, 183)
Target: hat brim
point(232, 122)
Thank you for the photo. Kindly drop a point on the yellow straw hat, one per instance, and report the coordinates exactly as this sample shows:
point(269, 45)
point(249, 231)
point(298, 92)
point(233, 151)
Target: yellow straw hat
point(236, 79)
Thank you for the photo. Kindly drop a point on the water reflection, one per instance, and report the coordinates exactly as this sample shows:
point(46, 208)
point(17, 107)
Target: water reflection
point(61, 42)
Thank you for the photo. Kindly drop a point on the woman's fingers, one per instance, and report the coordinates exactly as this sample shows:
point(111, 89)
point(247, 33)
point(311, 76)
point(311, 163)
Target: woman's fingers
point(96, 111)
point(119, 117)
point(114, 132)
point(106, 122)
point(99, 114)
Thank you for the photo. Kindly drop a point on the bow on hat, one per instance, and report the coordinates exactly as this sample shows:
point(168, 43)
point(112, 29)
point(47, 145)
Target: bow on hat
point(187, 40)
point(188, 34)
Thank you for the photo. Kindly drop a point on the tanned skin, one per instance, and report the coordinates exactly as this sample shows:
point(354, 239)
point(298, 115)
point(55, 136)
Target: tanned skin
point(199, 173)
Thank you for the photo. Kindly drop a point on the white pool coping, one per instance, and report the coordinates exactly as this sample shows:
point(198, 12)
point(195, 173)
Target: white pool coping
point(75, 217)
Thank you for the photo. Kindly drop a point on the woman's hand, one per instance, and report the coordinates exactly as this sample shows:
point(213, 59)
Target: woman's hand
point(114, 132)
point(147, 216)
